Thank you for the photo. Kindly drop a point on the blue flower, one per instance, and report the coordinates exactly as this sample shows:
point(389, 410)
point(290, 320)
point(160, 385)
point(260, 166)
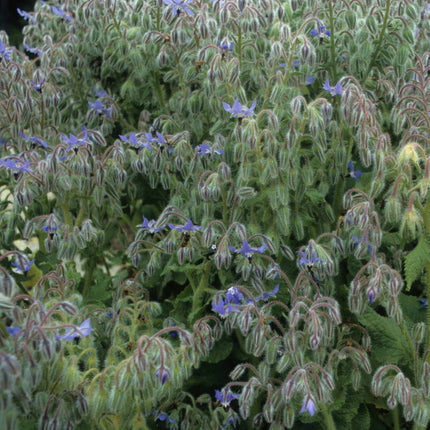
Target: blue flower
point(189, 226)
point(101, 94)
point(238, 110)
point(13, 331)
point(38, 87)
point(51, 228)
point(137, 144)
point(355, 174)
point(321, 32)
point(423, 303)
point(150, 226)
point(26, 15)
point(35, 51)
point(180, 6)
point(100, 108)
point(225, 397)
point(74, 142)
point(336, 90)
point(364, 239)
point(163, 417)
point(24, 266)
point(163, 376)
point(224, 47)
point(233, 296)
point(60, 12)
point(371, 295)
point(4, 53)
point(266, 295)
point(35, 140)
point(295, 64)
point(308, 405)
point(223, 310)
point(71, 333)
point(310, 80)
point(16, 168)
point(247, 251)
point(305, 260)
point(204, 149)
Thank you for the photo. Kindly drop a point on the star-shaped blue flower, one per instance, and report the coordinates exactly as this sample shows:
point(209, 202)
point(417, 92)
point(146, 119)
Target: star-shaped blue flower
point(100, 108)
point(150, 226)
point(16, 166)
point(35, 51)
point(60, 12)
point(334, 91)
point(224, 309)
point(204, 149)
point(266, 295)
point(13, 331)
point(308, 262)
point(24, 266)
point(35, 140)
point(355, 174)
point(321, 32)
point(26, 15)
point(189, 226)
point(74, 142)
point(180, 6)
point(36, 86)
point(238, 110)
point(225, 397)
point(233, 296)
point(71, 333)
point(4, 53)
point(247, 251)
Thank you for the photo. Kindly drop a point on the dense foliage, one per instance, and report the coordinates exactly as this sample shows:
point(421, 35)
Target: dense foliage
point(216, 215)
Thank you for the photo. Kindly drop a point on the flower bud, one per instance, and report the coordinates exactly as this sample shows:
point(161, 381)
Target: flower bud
point(418, 332)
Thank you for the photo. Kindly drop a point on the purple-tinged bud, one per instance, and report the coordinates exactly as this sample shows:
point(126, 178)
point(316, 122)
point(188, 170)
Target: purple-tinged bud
point(237, 372)
point(314, 341)
point(276, 49)
point(224, 16)
point(82, 405)
point(6, 284)
point(69, 308)
point(10, 364)
point(280, 13)
point(140, 362)
point(204, 31)
point(162, 58)
point(181, 254)
point(46, 348)
point(135, 260)
point(211, 75)
point(245, 320)
point(418, 332)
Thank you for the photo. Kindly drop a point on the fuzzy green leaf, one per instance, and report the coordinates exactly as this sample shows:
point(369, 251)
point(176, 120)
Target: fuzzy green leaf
point(416, 261)
point(389, 344)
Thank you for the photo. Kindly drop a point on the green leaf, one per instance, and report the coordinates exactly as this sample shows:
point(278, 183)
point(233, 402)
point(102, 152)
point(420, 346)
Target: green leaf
point(220, 351)
point(388, 342)
point(416, 261)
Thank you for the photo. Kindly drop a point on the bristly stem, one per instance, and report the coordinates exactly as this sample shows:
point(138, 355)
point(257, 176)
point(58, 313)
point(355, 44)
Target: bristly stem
point(380, 40)
point(332, 41)
point(200, 291)
point(328, 418)
point(427, 233)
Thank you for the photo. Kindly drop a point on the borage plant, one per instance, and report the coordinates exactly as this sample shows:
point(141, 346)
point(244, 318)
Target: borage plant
point(215, 215)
